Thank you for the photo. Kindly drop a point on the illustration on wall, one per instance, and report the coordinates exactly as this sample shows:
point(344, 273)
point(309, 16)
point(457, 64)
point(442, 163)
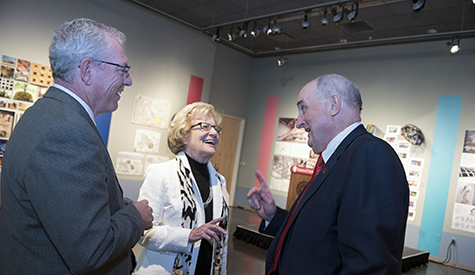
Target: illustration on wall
point(290, 149)
point(146, 141)
point(463, 217)
point(151, 112)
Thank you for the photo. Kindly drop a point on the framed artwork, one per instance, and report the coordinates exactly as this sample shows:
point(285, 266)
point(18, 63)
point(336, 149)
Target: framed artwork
point(6, 123)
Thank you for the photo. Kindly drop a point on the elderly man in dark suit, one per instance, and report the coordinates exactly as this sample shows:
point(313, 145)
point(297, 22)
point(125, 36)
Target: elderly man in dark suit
point(351, 217)
point(63, 211)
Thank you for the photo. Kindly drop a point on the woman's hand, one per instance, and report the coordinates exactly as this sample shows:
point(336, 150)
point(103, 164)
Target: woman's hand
point(207, 231)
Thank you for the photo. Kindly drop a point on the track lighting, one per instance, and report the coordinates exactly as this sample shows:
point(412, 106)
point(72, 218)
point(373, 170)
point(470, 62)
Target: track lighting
point(418, 4)
point(243, 31)
point(255, 30)
point(216, 36)
point(324, 21)
point(231, 34)
point(353, 13)
point(336, 16)
point(276, 28)
point(281, 61)
point(268, 30)
point(305, 23)
point(454, 46)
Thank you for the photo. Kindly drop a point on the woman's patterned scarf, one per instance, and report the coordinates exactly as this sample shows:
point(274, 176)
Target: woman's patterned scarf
point(183, 261)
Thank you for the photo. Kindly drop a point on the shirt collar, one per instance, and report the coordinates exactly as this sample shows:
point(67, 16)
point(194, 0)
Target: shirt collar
point(78, 99)
point(335, 142)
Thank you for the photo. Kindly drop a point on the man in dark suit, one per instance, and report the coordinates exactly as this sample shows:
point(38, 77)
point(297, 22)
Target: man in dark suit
point(351, 218)
point(63, 210)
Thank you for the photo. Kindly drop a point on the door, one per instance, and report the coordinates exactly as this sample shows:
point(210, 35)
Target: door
point(225, 158)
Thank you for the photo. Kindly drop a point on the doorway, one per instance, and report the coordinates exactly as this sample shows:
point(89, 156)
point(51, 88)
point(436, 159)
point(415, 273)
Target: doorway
point(226, 159)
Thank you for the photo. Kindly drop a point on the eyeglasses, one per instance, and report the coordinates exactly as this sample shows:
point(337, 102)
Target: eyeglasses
point(207, 127)
point(126, 67)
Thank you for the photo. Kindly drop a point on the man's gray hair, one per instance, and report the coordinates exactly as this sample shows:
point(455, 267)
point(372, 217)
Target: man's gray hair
point(349, 92)
point(78, 39)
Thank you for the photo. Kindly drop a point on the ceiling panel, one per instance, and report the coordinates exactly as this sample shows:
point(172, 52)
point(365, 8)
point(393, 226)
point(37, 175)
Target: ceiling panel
point(378, 22)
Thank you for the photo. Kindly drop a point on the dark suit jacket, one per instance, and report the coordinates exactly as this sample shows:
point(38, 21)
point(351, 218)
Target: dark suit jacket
point(352, 219)
point(62, 206)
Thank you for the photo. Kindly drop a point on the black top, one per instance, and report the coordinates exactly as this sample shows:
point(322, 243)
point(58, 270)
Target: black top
point(201, 174)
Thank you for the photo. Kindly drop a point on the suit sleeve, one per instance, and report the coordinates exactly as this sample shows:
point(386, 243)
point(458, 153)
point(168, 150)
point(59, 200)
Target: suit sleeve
point(373, 212)
point(166, 235)
point(67, 178)
point(275, 224)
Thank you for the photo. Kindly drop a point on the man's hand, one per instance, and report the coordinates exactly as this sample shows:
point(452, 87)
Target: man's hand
point(261, 199)
point(207, 231)
point(146, 212)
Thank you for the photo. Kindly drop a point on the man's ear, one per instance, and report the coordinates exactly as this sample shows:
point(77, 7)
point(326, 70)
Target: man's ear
point(335, 104)
point(86, 71)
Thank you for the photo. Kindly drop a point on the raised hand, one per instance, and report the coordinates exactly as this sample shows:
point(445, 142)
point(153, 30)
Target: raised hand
point(261, 199)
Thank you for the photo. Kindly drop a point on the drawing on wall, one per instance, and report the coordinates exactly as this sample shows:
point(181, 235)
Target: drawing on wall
point(22, 71)
point(151, 112)
point(6, 123)
point(130, 163)
point(463, 217)
point(25, 92)
point(146, 141)
point(41, 75)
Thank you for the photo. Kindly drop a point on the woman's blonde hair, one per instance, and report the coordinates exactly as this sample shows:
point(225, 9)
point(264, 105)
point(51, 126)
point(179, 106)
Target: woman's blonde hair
point(181, 123)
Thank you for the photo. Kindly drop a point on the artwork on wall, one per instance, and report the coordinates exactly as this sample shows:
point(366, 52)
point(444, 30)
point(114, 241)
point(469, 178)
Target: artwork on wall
point(22, 72)
point(6, 123)
point(146, 141)
point(18, 92)
point(290, 149)
point(41, 75)
point(406, 140)
point(151, 112)
point(134, 164)
point(130, 163)
point(463, 217)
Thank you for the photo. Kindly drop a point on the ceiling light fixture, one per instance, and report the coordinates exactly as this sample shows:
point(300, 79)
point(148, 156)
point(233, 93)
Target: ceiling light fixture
point(255, 30)
point(267, 29)
point(216, 36)
point(454, 46)
point(418, 4)
point(305, 23)
point(336, 16)
point(243, 31)
point(324, 21)
point(281, 61)
point(353, 13)
point(276, 28)
point(231, 34)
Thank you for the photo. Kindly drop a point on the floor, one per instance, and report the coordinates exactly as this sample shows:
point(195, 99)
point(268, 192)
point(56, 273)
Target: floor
point(248, 259)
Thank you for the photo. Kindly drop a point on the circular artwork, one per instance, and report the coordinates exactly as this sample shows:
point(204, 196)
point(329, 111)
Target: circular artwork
point(412, 134)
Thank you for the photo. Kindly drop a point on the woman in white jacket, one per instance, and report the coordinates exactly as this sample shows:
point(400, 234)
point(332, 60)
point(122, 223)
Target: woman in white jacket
point(189, 200)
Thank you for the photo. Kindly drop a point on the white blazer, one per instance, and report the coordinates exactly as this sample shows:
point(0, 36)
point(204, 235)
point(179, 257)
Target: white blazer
point(167, 238)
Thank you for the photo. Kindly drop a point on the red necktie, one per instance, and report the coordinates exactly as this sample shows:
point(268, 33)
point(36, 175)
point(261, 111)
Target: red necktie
point(318, 168)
